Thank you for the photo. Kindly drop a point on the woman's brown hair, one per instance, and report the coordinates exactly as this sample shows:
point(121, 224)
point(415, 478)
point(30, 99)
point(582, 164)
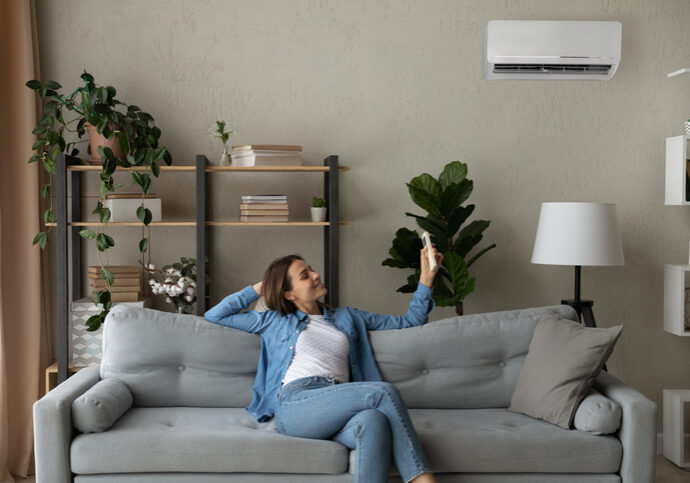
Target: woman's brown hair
point(276, 282)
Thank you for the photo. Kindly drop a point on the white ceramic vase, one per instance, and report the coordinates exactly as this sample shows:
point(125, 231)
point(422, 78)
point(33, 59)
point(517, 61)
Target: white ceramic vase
point(318, 215)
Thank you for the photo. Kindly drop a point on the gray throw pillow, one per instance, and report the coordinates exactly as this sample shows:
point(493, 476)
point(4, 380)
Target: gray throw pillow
point(597, 414)
point(563, 359)
point(98, 408)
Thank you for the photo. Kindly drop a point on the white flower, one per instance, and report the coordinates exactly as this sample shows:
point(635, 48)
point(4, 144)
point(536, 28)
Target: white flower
point(189, 298)
point(182, 282)
point(152, 282)
point(191, 291)
point(177, 273)
point(192, 283)
point(150, 267)
point(167, 299)
point(168, 280)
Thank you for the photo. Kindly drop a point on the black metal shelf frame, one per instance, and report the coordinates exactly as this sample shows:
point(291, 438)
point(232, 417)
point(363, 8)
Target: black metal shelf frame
point(63, 187)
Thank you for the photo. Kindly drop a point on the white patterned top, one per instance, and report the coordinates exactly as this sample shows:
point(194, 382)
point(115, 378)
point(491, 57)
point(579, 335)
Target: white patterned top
point(321, 350)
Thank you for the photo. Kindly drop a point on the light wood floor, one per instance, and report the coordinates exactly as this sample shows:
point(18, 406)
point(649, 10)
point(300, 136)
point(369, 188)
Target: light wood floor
point(666, 472)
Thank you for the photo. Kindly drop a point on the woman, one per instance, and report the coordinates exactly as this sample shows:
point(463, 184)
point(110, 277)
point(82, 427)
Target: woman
point(317, 374)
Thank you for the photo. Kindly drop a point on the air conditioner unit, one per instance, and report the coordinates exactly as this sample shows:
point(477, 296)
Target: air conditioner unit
point(550, 50)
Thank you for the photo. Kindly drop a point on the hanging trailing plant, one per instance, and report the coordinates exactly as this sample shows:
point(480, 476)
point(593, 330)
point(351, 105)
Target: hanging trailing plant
point(442, 199)
point(128, 128)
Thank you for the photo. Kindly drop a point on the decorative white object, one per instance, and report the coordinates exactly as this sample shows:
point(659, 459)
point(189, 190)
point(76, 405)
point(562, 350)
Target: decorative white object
point(687, 128)
point(125, 210)
point(675, 439)
point(584, 234)
point(676, 170)
point(318, 215)
point(546, 49)
point(676, 282)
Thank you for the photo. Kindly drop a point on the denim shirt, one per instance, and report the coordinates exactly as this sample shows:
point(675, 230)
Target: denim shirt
point(279, 337)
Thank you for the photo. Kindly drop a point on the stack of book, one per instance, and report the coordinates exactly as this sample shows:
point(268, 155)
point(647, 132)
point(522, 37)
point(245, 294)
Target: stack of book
point(264, 208)
point(126, 285)
point(266, 155)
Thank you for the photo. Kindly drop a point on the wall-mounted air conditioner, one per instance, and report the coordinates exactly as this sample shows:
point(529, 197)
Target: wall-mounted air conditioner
point(551, 49)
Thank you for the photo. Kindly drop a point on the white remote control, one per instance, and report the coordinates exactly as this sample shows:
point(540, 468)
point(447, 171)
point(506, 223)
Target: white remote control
point(426, 241)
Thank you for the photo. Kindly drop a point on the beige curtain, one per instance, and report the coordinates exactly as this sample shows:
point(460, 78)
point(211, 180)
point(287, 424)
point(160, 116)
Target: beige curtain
point(24, 343)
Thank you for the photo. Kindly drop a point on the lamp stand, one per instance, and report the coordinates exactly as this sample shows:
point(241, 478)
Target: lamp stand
point(582, 307)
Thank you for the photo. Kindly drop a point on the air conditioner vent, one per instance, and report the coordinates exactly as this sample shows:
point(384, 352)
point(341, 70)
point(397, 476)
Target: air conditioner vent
point(552, 69)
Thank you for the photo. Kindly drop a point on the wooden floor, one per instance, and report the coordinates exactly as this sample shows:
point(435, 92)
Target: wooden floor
point(666, 472)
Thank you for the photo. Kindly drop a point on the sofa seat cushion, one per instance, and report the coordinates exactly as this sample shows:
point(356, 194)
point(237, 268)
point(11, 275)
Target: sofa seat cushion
point(201, 440)
point(499, 441)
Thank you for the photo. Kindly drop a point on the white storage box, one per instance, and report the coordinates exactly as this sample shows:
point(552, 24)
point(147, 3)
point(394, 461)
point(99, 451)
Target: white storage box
point(86, 346)
point(126, 209)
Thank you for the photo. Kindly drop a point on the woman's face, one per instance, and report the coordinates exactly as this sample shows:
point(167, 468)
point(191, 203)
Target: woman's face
point(306, 284)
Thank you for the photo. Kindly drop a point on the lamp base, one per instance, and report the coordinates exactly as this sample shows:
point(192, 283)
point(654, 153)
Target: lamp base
point(583, 309)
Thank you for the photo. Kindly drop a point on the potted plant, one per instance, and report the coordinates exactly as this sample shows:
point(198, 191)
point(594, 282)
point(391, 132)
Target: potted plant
point(442, 199)
point(218, 131)
point(177, 282)
point(318, 209)
point(124, 126)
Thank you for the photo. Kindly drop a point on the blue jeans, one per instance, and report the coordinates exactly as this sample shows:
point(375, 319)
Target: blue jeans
point(369, 417)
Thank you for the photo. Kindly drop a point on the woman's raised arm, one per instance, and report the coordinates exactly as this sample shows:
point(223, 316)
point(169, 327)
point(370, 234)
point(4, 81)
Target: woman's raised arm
point(229, 311)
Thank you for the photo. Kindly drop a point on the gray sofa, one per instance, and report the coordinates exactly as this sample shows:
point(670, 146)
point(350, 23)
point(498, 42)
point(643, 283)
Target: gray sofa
point(191, 379)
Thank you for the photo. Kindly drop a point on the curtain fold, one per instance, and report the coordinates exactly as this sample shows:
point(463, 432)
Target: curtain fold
point(24, 347)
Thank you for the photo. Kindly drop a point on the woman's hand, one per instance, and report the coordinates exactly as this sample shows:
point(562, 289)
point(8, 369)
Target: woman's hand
point(427, 276)
point(257, 288)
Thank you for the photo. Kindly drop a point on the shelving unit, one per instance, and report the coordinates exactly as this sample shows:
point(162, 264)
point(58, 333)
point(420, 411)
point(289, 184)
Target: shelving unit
point(676, 283)
point(68, 175)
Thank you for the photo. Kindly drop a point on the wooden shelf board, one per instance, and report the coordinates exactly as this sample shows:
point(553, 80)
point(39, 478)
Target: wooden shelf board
point(208, 223)
point(273, 223)
point(127, 223)
point(216, 169)
point(82, 167)
point(322, 169)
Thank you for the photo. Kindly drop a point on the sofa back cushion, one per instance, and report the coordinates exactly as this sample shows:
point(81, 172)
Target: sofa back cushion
point(166, 359)
point(470, 361)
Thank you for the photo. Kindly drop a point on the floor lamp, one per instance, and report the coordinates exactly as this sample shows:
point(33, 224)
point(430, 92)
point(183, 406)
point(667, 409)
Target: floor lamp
point(578, 234)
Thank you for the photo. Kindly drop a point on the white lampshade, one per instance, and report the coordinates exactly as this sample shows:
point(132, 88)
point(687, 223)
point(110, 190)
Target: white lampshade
point(578, 234)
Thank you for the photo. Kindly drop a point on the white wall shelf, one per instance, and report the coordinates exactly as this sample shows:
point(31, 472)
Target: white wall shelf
point(676, 447)
point(677, 188)
point(676, 284)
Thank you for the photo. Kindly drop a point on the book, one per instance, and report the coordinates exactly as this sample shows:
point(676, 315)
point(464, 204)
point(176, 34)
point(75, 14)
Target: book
point(264, 212)
point(124, 296)
point(118, 276)
point(246, 198)
point(263, 206)
point(256, 160)
point(118, 282)
point(134, 269)
point(266, 147)
point(117, 289)
point(128, 196)
point(259, 218)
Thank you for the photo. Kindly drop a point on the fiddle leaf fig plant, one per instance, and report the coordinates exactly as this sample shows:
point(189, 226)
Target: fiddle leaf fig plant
point(64, 121)
point(443, 200)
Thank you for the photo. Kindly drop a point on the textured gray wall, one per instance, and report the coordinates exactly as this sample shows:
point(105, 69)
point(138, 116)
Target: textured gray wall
point(395, 88)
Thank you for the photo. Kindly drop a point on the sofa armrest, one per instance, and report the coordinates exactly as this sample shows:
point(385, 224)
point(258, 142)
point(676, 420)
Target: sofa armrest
point(638, 429)
point(53, 426)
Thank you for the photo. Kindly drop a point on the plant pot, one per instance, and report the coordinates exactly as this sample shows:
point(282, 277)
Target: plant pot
point(687, 128)
point(96, 140)
point(318, 215)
